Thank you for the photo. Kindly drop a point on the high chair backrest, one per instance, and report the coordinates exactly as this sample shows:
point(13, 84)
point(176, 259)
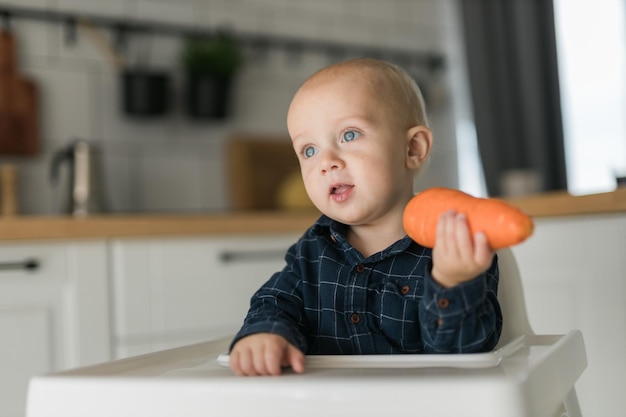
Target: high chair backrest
point(511, 297)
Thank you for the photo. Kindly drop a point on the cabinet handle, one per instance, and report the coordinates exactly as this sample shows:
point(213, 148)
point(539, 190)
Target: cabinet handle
point(251, 255)
point(28, 264)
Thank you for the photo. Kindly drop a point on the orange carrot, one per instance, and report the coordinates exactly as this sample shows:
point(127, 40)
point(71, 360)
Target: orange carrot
point(503, 224)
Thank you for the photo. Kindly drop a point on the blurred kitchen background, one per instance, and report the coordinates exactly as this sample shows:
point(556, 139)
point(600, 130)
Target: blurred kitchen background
point(523, 96)
point(172, 162)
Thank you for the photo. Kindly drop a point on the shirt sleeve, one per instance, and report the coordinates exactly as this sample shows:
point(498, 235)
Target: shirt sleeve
point(462, 319)
point(277, 307)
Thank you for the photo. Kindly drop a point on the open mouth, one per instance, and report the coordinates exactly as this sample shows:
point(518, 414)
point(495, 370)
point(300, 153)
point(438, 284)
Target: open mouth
point(339, 188)
point(340, 191)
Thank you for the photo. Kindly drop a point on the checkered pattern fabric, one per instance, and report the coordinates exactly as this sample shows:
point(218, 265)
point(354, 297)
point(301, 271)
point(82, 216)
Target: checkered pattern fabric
point(329, 299)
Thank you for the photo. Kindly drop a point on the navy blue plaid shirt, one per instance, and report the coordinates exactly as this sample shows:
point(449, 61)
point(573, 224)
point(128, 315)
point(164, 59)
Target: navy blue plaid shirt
point(329, 299)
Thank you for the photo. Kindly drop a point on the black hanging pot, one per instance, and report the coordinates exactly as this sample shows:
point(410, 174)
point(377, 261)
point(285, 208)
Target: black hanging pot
point(208, 96)
point(145, 93)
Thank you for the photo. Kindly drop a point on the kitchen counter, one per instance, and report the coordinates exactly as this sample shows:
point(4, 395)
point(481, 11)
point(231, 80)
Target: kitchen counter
point(253, 222)
point(564, 204)
point(103, 226)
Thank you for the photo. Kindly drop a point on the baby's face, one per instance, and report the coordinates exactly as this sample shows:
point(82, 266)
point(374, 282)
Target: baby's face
point(351, 147)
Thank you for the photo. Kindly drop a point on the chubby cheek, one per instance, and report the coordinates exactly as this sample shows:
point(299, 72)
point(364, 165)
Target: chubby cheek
point(314, 187)
point(375, 173)
point(383, 184)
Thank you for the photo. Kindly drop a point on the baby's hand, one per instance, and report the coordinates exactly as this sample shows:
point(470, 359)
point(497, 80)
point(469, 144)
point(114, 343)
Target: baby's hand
point(264, 354)
point(457, 256)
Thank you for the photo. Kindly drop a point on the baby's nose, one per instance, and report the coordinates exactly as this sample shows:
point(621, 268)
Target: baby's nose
point(330, 161)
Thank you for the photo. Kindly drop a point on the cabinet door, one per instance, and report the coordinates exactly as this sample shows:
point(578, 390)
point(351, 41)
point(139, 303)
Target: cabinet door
point(52, 316)
point(172, 292)
point(574, 275)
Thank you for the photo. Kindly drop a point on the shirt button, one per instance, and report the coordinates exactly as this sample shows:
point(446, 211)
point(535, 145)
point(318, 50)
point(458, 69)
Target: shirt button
point(333, 238)
point(355, 318)
point(405, 289)
point(443, 303)
point(360, 268)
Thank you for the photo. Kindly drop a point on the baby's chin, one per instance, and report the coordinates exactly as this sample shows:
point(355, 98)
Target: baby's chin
point(347, 217)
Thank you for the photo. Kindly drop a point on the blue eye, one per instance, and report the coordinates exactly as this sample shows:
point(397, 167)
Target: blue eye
point(350, 135)
point(309, 151)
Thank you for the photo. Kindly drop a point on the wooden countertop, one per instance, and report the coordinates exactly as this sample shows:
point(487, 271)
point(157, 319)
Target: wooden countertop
point(110, 226)
point(154, 225)
point(564, 204)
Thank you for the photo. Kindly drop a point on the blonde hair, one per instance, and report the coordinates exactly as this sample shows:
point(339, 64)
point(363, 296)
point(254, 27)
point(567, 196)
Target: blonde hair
point(393, 83)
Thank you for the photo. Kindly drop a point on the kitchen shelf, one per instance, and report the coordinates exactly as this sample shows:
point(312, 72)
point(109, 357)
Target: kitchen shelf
point(123, 27)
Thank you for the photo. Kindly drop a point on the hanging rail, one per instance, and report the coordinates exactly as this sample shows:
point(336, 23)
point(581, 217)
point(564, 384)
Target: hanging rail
point(123, 27)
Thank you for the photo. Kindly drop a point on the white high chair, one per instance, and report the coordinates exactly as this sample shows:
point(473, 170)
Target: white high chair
point(528, 375)
point(569, 349)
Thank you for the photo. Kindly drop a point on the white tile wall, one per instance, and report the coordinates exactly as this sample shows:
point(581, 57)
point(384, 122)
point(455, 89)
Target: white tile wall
point(173, 164)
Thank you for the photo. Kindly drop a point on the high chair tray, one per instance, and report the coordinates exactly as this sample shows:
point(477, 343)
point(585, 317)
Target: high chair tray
point(532, 377)
point(467, 360)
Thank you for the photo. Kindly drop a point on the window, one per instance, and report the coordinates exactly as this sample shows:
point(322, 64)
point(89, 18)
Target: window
point(591, 43)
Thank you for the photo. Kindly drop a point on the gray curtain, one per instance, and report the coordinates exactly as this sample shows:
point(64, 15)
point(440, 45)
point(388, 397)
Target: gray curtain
point(511, 55)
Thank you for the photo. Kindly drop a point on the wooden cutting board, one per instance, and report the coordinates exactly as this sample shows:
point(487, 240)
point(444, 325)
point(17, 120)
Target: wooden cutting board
point(257, 168)
point(19, 115)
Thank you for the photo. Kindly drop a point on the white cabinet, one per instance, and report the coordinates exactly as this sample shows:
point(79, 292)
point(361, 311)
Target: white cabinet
point(574, 276)
point(52, 316)
point(173, 292)
point(90, 301)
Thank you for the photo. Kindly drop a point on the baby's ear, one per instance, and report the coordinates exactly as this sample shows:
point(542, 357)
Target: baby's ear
point(419, 142)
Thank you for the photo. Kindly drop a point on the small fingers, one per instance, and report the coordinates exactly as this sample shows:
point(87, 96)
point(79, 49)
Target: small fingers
point(259, 362)
point(453, 234)
point(483, 253)
point(248, 360)
point(241, 362)
point(295, 359)
point(273, 362)
point(458, 255)
point(264, 354)
point(445, 230)
point(234, 363)
point(463, 239)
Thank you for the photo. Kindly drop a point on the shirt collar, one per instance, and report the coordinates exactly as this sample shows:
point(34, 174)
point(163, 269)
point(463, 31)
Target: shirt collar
point(325, 226)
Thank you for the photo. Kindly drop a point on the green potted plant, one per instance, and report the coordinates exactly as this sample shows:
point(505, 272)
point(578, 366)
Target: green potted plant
point(210, 64)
